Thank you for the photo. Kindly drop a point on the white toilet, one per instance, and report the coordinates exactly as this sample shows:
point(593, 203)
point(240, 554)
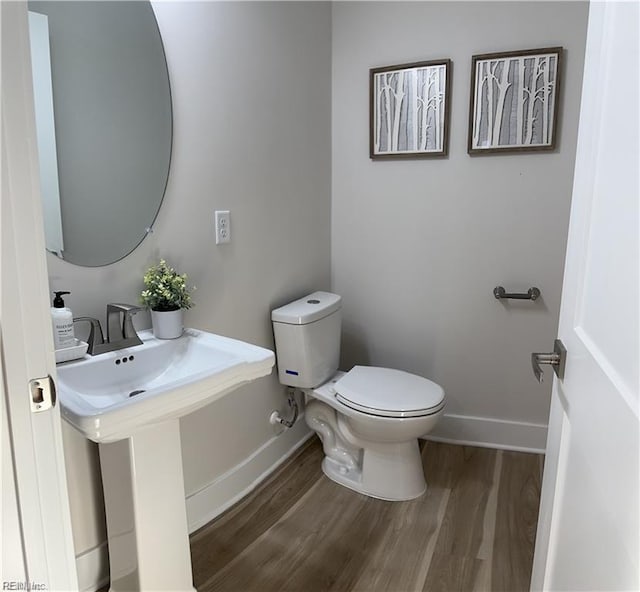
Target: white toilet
point(369, 419)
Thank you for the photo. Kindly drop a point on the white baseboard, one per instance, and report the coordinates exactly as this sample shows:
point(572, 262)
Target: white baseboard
point(93, 568)
point(490, 433)
point(204, 505)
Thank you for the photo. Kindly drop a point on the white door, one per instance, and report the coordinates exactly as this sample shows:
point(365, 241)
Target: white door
point(37, 544)
point(589, 527)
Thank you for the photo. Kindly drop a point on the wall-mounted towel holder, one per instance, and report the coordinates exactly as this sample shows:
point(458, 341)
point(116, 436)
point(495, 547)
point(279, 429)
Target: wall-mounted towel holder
point(532, 294)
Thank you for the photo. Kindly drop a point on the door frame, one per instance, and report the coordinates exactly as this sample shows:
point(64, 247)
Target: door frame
point(43, 520)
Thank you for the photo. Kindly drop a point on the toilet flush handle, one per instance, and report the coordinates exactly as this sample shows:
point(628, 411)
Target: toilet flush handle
point(557, 359)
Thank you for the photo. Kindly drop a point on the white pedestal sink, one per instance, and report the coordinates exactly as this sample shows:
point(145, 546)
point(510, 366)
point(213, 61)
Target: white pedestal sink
point(130, 402)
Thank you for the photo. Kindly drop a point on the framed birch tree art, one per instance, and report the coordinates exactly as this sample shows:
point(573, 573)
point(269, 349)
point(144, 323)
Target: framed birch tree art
point(514, 101)
point(409, 110)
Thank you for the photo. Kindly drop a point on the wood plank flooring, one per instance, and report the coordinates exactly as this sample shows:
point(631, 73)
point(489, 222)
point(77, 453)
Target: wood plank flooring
point(473, 529)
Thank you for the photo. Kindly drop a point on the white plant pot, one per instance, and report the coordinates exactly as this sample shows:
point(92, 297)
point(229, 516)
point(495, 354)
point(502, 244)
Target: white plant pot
point(167, 324)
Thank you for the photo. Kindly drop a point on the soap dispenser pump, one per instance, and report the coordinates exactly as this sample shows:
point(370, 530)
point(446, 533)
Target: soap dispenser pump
point(62, 321)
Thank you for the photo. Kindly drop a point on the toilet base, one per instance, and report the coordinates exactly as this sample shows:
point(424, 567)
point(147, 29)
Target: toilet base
point(391, 472)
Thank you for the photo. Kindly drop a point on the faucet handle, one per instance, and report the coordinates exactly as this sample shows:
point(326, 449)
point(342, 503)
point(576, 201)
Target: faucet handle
point(128, 330)
point(121, 307)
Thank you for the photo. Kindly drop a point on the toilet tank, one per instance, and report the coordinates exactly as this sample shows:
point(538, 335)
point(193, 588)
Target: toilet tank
point(307, 338)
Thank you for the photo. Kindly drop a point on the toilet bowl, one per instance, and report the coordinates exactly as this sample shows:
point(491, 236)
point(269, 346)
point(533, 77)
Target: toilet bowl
point(370, 418)
point(369, 421)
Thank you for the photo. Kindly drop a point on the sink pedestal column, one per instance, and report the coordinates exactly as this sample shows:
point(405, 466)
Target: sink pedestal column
point(146, 515)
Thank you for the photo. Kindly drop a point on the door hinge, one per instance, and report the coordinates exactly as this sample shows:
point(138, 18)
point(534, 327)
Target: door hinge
point(43, 394)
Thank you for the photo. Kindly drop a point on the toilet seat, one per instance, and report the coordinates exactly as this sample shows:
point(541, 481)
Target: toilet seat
point(388, 393)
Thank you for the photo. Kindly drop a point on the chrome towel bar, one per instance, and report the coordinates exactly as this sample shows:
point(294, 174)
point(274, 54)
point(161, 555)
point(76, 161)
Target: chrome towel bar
point(500, 294)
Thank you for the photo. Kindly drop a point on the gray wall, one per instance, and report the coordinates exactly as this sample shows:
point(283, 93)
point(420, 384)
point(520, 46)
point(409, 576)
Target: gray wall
point(418, 246)
point(251, 87)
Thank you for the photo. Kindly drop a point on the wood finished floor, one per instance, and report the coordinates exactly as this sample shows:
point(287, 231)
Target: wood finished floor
point(473, 529)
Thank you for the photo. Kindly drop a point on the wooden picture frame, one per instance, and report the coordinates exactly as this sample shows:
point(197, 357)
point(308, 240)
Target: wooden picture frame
point(409, 106)
point(514, 100)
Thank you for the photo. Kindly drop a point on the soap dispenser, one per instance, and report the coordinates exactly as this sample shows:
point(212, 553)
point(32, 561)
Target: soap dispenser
point(62, 321)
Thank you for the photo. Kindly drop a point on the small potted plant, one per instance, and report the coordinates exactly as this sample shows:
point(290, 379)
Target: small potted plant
point(166, 293)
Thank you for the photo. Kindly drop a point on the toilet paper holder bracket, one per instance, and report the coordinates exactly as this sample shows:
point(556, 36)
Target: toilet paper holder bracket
point(501, 294)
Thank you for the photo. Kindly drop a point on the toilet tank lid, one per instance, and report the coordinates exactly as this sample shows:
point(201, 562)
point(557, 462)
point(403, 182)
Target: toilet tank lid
point(308, 309)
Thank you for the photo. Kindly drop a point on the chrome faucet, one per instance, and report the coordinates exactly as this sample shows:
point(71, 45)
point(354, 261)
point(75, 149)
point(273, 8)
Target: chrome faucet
point(126, 333)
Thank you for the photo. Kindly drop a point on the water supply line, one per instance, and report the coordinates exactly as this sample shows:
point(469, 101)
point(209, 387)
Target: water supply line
point(276, 418)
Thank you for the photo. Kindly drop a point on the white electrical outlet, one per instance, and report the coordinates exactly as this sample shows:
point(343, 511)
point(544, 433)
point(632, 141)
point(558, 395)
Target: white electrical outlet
point(223, 227)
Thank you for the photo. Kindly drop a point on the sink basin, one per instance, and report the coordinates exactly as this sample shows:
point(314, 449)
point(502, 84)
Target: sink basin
point(110, 396)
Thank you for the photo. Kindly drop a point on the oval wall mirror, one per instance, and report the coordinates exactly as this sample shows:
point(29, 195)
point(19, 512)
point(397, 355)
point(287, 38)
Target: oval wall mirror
point(104, 125)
